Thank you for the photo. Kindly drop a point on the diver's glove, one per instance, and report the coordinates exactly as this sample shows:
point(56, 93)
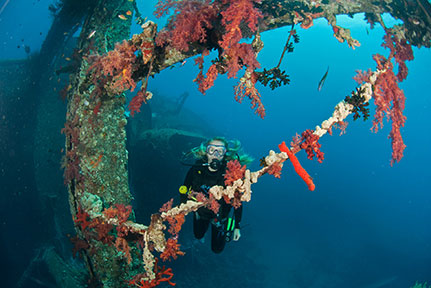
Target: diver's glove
point(236, 234)
point(184, 194)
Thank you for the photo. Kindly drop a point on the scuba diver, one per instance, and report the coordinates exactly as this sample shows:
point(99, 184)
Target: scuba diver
point(208, 171)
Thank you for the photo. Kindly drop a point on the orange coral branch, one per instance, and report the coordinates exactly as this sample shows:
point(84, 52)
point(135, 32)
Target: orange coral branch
point(172, 250)
point(298, 168)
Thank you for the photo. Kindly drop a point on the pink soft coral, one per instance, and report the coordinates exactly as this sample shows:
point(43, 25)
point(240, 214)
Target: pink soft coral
point(190, 24)
point(122, 246)
point(311, 146)
point(119, 211)
point(162, 275)
point(172, 250)
point(175, 223)
point(246, 88)
point(117, 65)
point(239, 54)
point(275, 169)
point(234, 172)
point(238, 11)
point(135, 104)
point(81, 218)
point(390, 100)
point(401, 51)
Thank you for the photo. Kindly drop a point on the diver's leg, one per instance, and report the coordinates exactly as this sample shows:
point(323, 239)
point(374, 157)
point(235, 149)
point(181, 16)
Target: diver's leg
point(200, 226)
point(218, 239)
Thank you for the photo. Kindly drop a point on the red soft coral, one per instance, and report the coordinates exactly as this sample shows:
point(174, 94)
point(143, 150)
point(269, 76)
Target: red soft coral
point(78, 245)
point(236, 200)
point(275, 169)
point(213, 204)
point(390, 100)
point(81, 218)
point(136, 102)
point(234, 172)
point(167, 206)
point(207, 81)
point(311, 146)
point(236, 55)
point(71, 130)
point(117, 64)
point(71, 165)
point(172, 250)
point(403, 52)
point(122, 246)
point(123, 212)
point(246, 88)
point(400, 50)
point(119, 211)
point(239, 54)
point(163, 6)
point(190, 23)
point(103, 230)
point(238, 11)
point(175, 223)
point(210, 202)
point(160, 272)
point(362, 76)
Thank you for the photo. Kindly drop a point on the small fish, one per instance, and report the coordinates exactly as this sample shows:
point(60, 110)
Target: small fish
point(91, 34)
point(67, 59)
point(368, 32)
point(322, 81)
point(128, 13)
point(122, 17)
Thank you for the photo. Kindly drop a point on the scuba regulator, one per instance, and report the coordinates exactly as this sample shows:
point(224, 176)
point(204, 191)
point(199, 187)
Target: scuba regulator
point(215, 164)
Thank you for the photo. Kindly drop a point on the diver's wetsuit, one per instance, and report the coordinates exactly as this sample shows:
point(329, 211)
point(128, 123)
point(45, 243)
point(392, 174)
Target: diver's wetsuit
point(201, 179)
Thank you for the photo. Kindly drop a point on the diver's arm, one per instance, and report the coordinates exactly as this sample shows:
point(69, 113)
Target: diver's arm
point(183, 198)
point(238, 217)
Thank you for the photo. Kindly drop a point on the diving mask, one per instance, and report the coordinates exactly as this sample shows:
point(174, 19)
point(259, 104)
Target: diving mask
point(216, 150)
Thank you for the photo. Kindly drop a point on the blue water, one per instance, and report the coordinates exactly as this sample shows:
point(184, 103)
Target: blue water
point(367, 224)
